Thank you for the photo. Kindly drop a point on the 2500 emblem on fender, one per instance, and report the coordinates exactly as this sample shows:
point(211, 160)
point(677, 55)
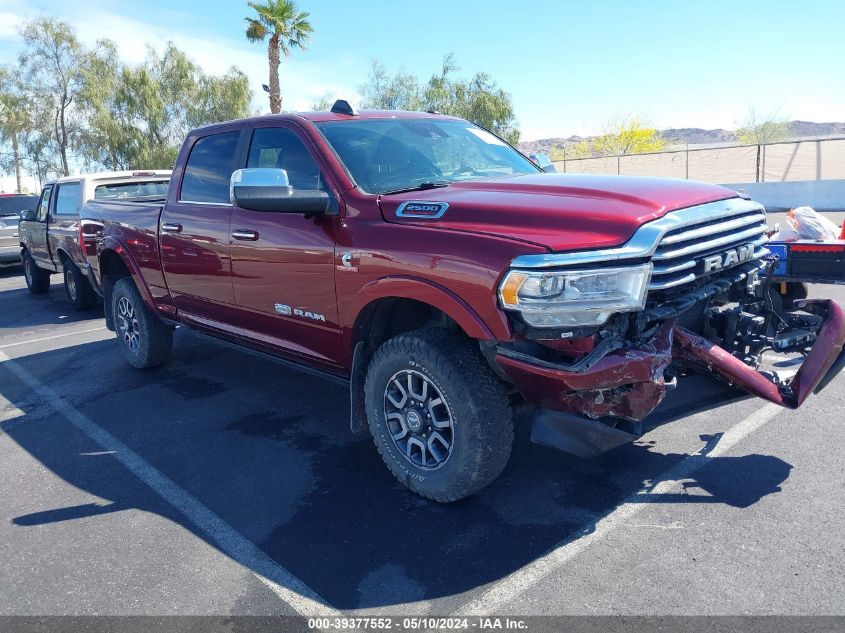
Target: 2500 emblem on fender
point(728, 258)
point(419, 209)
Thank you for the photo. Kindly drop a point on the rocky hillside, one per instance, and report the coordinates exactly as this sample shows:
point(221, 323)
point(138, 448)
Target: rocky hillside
point(698, 136)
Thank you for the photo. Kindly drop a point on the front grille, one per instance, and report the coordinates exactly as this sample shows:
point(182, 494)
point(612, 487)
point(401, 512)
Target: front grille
point(680, 255)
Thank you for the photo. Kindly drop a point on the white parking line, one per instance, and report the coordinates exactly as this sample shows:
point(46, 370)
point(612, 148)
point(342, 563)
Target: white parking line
point(520, 581)
point(50, 338)
point(285, 585)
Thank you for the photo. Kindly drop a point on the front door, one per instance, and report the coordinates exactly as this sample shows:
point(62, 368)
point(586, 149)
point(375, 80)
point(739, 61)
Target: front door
point(283, 263)
point(37, 238)
point(64, 217)
point(194, 232)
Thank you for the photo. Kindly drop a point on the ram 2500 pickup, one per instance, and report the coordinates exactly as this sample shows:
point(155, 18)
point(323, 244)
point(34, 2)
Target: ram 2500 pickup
point(444, 277)
point(49, 239)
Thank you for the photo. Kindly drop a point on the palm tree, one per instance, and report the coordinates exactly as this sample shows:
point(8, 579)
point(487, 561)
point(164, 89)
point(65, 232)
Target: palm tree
point(287, 28)
point(13, 121)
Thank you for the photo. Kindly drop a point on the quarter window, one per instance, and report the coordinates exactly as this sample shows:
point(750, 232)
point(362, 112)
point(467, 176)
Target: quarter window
point(69, 198)
point(210, 168)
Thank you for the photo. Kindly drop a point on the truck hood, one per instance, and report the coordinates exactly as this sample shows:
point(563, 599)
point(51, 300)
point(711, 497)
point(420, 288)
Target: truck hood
point(558, 211)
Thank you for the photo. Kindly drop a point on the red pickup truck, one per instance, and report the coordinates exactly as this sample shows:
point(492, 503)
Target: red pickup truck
point(444, 277)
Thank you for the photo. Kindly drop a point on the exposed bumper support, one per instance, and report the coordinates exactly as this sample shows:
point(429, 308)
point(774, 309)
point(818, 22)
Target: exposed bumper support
point(825, 357)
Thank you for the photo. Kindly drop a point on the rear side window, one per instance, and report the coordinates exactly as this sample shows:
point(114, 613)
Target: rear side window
point(69, 198)
point(209, 169)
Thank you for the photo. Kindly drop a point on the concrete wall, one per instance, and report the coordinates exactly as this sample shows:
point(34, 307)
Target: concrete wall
point(822, 195)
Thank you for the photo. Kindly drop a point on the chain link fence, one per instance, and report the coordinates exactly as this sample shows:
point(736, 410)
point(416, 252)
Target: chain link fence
point(814, 159)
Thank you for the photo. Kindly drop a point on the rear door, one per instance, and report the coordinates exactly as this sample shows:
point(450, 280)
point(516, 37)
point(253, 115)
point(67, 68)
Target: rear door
point(8, 231)
point(283, 263)
point(194, 231)
point(36, 232)
point(9, 220)
point(11, 208)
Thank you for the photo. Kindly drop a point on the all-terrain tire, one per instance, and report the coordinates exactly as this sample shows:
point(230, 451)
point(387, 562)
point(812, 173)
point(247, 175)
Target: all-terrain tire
point(37, 279)
point(77, 287)
point(481, 420)
point(144, 339)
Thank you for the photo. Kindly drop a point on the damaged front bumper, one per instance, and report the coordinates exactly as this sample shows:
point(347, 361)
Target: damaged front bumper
point(630, 382)
point(824, 361)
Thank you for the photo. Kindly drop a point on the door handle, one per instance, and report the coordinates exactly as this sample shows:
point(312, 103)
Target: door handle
point(245, 234)
point(170, 227)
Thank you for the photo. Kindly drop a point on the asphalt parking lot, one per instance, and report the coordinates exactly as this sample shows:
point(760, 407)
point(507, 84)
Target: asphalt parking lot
point(226, 484)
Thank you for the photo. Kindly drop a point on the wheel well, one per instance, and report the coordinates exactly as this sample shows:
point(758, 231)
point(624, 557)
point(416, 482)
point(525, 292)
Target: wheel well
point(377, 322)
point(385, 318)
point(112, 269)
point(65, 258)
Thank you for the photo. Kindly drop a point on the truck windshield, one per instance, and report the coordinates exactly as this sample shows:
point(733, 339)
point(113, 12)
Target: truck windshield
point(136, 189)
point(384, 155)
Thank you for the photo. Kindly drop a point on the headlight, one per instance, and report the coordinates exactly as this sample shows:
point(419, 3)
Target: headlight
point(573, 298)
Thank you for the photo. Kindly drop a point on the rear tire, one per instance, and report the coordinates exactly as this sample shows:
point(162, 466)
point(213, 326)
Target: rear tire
point(433, 388)
point(37, 279)
point(143, 338)
point(78, 288)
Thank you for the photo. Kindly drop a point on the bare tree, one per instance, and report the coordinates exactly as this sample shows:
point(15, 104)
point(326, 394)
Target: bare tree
point(758, 128)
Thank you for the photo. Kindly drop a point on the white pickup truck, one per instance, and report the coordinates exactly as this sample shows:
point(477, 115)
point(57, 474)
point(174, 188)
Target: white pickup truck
point(49, 235)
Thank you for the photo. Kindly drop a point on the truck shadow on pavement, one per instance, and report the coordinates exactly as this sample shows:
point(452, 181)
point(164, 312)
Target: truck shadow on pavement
point(20, 308)
point(269, 451)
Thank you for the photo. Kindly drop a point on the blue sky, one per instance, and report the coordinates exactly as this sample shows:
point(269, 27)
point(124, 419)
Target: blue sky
point(570, 66)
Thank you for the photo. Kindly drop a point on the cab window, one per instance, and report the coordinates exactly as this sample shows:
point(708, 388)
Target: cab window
point(281, 148)
point(68, 199)
point(209, 169)
point(43, 204)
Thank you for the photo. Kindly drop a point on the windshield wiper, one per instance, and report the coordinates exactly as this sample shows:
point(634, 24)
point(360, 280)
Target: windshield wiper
point(420, 187)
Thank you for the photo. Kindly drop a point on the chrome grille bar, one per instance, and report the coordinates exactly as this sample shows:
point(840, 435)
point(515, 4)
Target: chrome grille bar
point(674, 237)
point(663, 283)
point(709, 245)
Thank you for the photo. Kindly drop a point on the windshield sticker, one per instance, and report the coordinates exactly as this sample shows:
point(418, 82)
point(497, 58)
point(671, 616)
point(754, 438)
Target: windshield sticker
point(418, 209)
point(485, 136)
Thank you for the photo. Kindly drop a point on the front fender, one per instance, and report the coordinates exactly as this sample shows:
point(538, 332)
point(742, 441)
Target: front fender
point(427, 292)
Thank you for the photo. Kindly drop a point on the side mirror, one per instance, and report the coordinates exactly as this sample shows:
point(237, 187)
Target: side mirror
point(28, 215)
point(266, 189)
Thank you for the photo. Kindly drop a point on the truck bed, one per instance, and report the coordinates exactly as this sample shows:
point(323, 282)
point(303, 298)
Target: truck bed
point(141, 213)
point(133, 225)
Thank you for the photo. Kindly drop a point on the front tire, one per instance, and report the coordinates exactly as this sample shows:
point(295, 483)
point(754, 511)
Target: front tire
point(78, 289)
point(439, 417)
point(37, 279)
point(143, 338)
